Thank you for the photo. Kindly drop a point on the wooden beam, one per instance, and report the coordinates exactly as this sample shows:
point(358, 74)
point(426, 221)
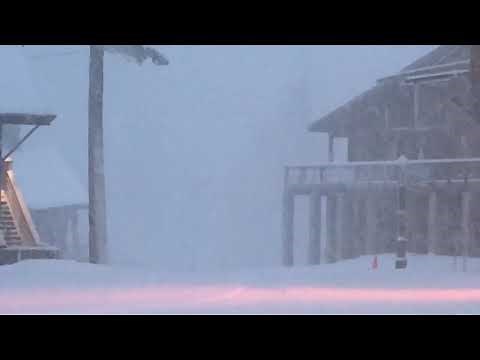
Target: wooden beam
point(416, 105)
point(75, 234)
point(288, 230)
point(466, 221)
point(314, 254)
point(432, 227)
point(26, 119)
point(330, 148)
point(339, 226)
point(331, 228)
point(356, 226)
point(371, 215)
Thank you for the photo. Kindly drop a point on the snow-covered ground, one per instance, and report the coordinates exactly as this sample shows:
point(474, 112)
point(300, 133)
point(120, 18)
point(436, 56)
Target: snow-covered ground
point(430, 285)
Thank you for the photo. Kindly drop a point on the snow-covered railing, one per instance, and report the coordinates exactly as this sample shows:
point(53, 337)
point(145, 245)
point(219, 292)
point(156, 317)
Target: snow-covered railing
point(410, 171)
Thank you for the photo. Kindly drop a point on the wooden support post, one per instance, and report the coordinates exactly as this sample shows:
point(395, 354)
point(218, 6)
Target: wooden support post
point(387, 117)
point(466, 221)
point(416, 105)
point(75, 234)
point(330, 148)
point(371, 215)
point(331, 228)
point(432, 228)
point(61, 229)
point(356, 226)
point(339, 226)
point(314, 254)
point(288, 216)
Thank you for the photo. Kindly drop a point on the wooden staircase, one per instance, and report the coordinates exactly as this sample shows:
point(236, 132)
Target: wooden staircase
point(19, 239)
point(8, 226)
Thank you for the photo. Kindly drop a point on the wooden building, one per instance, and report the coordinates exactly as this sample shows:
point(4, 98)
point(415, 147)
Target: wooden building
point(413, 167)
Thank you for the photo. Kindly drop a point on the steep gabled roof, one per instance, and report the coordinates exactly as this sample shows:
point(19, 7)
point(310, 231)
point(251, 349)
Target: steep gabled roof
point(442, 55)
point(441, 61)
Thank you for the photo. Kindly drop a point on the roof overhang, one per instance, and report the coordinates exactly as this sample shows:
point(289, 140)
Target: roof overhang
point(26, 119)
point(423, 74)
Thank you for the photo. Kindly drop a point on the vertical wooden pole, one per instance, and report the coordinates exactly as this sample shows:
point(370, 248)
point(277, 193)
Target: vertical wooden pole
point(288, 217)
point(330, 148)
point(96, 177)
point(356, 227)
point(432, 222)
point(340, 226)
point(371, 216)
point(331, 228)
point(466, 205)
point(314, 254)
point(75, 234)
point(416, 104)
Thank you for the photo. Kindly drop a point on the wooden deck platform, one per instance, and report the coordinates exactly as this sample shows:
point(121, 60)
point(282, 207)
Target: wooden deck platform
point(12, 255)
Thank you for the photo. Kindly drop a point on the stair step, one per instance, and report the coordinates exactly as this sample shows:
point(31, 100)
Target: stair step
point(14, 243)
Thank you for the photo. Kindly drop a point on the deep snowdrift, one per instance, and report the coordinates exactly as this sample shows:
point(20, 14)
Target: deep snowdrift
point(429, 285)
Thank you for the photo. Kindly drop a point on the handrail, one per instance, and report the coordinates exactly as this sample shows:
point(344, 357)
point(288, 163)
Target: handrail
point(387, 162)
point(412, 171)
point(20, 212)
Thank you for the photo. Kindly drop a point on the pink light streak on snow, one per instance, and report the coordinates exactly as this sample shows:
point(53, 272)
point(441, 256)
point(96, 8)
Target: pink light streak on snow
point(187, 298)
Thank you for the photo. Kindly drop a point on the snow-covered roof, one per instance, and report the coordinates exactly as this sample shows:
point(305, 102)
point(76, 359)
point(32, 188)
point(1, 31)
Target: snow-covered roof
point(46, 179)
point(443, 61)
point(17, 90)
point(442, 55)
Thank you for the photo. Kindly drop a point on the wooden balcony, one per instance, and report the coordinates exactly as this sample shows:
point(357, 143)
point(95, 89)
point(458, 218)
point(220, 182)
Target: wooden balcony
point(412, 173)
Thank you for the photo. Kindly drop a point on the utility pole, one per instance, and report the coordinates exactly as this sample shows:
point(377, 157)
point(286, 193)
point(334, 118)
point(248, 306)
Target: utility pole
point(97, 211)
point(96, 176)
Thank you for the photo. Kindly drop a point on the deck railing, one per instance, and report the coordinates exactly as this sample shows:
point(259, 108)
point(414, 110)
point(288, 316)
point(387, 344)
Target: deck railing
point(408, 171)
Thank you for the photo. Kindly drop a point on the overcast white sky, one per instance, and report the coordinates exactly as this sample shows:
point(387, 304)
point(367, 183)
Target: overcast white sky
point(195, 150)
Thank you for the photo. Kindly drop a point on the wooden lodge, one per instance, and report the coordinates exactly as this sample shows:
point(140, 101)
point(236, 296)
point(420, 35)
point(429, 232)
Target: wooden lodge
point(413, 168)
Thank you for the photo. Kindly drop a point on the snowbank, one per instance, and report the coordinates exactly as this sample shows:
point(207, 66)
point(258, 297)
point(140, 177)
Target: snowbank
point(430, 285)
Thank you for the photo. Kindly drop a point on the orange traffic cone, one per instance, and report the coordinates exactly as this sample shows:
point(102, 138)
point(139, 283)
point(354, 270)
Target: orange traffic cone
point(375, 263)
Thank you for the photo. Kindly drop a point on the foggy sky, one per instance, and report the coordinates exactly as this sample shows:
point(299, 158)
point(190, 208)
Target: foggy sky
point(195, 150)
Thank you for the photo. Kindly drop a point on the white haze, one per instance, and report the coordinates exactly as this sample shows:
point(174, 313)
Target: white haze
point(195, 151)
